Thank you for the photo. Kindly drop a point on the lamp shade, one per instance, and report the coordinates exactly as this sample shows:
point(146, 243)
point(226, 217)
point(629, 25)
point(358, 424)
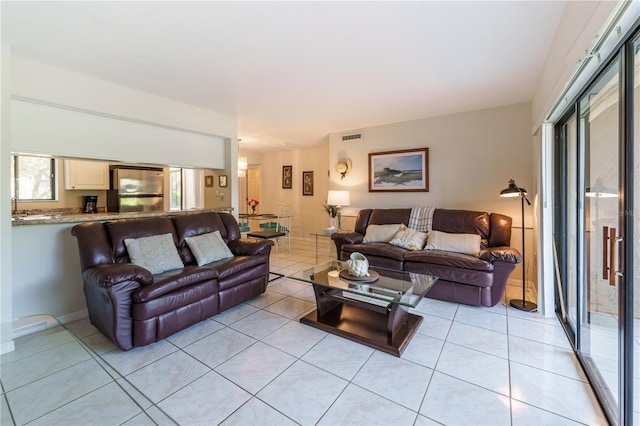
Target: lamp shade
point(512, 190)
point(338, 198)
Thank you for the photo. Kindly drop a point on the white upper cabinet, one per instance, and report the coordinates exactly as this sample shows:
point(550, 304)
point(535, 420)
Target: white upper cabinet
point(80, 174)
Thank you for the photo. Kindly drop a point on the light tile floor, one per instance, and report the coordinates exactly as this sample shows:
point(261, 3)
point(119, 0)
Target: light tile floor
point(257, 365)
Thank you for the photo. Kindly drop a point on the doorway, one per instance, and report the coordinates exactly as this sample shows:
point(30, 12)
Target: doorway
point(250, 188)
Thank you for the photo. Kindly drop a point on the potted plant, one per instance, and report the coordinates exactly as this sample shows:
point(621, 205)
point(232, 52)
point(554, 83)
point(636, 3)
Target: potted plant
point(334, 223)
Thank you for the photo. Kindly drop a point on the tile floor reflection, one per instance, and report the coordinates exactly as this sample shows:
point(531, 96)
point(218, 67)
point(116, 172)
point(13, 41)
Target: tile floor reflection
point(257, 365)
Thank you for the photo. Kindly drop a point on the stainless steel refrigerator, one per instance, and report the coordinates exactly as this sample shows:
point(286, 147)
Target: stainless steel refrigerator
point(135, 189)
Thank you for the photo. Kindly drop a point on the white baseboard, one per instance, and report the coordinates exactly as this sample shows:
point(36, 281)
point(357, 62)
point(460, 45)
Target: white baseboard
point(24, 326)
point(75, 316)
point(32, 324)
point(7, 347)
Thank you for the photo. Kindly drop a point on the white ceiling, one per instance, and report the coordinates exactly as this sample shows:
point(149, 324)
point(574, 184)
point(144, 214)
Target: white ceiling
point(295, 71)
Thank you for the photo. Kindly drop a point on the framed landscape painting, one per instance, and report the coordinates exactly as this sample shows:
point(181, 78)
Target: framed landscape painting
point(399, 171)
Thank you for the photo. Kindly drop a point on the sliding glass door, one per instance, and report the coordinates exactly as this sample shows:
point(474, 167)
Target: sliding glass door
point(598, 189)
point(597, 231)
point(632, 261)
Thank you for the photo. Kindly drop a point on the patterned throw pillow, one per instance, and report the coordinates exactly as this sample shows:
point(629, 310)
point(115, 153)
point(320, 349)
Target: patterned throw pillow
point(207, 248)
point(381, 233)
point(409, 238)
point(457, 243)
point(157, 253)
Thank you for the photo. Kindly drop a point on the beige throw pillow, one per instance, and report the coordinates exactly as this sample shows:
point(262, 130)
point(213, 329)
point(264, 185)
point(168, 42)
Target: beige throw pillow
point(157, 253)
point(409, 238)
point(381, 233)
point(208, 247)
point(457, 243)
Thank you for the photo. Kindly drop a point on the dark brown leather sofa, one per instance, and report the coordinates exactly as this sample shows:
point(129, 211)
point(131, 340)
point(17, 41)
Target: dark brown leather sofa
point(133, 307)
point(463, 278)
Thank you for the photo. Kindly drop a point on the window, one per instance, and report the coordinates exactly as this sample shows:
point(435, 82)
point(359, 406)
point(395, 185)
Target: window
point(175, 185)
point(33, 178)
point(187, 190)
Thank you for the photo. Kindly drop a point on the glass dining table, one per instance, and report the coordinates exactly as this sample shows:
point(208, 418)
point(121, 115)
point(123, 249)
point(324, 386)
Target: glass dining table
point(257, 219)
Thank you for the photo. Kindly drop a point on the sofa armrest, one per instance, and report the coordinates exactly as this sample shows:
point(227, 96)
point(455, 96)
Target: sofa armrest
point(503, 254)
point(250, 246)
point(107, 275)
point(345, 237)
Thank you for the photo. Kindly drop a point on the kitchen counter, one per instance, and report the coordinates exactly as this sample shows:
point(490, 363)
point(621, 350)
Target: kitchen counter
point(39, 219)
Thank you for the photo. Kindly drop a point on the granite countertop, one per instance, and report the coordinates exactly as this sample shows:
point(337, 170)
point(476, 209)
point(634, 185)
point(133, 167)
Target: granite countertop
point(39, 219)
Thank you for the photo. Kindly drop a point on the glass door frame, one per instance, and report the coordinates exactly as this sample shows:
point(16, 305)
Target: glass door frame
point(623, 412)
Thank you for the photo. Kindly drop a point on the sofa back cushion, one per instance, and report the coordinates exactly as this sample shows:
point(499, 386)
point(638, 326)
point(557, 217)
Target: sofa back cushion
point(389, 216)
point(93, 243)
point(494, 229)
point(462, 222)
point(119, 230)
point(191, 225)
point(362, 221)
point(500, 230)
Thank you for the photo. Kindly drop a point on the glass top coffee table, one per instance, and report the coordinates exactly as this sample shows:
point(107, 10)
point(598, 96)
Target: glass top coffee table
point(375, 314)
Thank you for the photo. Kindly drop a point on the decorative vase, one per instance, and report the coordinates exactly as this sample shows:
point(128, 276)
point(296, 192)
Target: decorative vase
point(333, 226)
point(334, 222)
point(253, 210)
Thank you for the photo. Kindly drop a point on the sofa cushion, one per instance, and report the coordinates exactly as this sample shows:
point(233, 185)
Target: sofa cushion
point(176, 301)
point(156, 253)
point(500, 230)
point(450, 259)
point(409, 239)
point(171, 281)
point(191, 225)
point(208, 247)
point(381, 233)
point(244, 267)
point(387, 216)
point(451, 274)
point(376, 249)
point(457, 243)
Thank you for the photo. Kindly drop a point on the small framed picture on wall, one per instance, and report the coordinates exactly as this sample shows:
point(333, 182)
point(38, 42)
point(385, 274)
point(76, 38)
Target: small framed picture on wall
point(222, 180)
point(208, 181)
point(307, 183)
point(287, 177)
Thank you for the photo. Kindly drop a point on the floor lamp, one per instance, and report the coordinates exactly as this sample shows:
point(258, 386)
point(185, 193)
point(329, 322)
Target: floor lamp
point(515, 191)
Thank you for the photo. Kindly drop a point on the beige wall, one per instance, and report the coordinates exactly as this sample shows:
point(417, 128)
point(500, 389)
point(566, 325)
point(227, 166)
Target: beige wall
point(308, 212)
point(471, 158)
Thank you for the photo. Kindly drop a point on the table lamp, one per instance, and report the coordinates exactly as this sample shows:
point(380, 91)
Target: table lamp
point(336, 199)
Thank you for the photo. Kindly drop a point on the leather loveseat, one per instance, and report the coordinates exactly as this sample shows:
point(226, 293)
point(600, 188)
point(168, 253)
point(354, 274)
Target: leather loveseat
point(134, 307)
point(477, 280)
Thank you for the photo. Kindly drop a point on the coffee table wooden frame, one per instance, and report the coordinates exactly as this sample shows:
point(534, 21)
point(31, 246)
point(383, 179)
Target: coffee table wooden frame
point(387, 328)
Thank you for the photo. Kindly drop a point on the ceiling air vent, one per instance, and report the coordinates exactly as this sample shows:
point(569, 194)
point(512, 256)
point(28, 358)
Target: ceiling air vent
point(352, 137)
